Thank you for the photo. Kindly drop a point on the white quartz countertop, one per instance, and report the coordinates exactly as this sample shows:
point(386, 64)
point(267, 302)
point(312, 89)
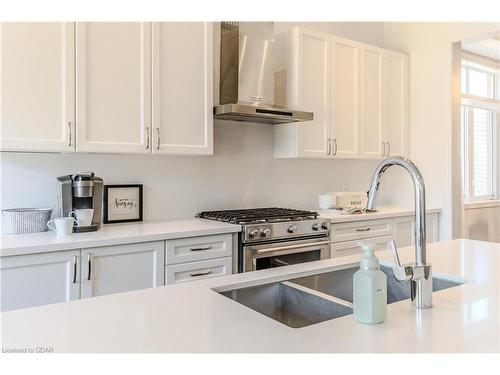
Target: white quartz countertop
point(191, 317)
point(16, 244)
point(383, 212)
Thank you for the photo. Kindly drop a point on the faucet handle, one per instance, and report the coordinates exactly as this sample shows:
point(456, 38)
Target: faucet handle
point(401, 273)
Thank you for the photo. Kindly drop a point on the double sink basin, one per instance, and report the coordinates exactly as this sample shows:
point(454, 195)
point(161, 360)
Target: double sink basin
point(307, 300)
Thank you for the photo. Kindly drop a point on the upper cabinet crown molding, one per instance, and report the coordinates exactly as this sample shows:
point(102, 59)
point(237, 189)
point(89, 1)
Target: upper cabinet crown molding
point(37, 82)
point(366, 90)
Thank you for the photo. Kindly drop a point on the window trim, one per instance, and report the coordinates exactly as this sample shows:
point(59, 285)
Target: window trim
point(468, 155)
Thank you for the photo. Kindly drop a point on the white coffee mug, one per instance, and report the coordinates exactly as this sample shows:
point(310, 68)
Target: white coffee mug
point(83, 216)
point(63, 226)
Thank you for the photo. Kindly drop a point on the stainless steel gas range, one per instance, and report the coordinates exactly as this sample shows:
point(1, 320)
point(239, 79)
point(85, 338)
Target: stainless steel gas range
point(274, 237)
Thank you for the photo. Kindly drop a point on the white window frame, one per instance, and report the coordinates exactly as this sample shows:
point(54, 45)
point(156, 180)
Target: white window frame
point(468, 152)
point(470, 102)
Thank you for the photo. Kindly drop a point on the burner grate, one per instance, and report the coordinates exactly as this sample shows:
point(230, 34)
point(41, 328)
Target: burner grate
point(256, 215)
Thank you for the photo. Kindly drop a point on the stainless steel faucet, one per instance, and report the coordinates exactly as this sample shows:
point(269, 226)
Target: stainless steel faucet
point(419, 273)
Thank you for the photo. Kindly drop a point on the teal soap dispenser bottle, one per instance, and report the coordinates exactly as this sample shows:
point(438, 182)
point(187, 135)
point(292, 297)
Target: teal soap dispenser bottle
point(369, 288)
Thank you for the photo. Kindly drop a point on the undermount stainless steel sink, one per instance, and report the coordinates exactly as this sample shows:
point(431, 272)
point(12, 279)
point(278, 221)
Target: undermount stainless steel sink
point(289, 305)
point(307, 300)
point(339, 284)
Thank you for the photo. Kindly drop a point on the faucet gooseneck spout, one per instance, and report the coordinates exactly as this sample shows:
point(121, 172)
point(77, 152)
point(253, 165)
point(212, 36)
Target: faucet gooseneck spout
point(420, 272)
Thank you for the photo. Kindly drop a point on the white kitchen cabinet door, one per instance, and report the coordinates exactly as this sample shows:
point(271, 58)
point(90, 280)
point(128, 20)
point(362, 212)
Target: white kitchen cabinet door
point(396, 94)
point(39, 279)
point(113, 82)
point(345, 98)
point(37, 86)
point(313, 91)
point(121, 268)
point(404, 229)
point(372, 112)
point(182, 88)
point(303, 57)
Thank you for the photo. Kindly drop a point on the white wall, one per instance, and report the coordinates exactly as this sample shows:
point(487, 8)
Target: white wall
point(430, 48)
point(242, 173)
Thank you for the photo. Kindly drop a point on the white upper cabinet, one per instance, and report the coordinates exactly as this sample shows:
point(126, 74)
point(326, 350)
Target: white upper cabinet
point(345, 98)
point(396, 119)
point(37, 86)
point(384, 103)
point(322, 76)
point(372, 112)
point(122, 268)
point(358, 94)
point(182, 88)
point(305, 57)
point(113, 87)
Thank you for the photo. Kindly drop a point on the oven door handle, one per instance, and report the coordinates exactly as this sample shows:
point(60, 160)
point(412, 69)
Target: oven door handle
point(291, 247)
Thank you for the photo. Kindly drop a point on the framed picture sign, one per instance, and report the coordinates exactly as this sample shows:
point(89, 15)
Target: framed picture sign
point(122, 203)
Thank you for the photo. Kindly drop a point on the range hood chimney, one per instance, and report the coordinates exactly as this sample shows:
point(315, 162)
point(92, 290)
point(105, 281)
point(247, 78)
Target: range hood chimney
point(249, 88)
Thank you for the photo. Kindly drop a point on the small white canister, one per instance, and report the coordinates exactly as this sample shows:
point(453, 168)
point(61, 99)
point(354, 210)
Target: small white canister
point(326, 201)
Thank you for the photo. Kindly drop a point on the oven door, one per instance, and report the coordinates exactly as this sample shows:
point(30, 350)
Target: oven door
point(277, 254)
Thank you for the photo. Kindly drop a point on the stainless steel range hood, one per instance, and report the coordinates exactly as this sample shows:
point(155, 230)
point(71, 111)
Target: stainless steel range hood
point(250, 89)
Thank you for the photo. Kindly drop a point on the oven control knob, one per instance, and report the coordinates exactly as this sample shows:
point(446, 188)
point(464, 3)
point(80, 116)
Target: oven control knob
point(292, 229)
point(265, 233)
point(324, 226)
point(253, 233)
point(315, 226)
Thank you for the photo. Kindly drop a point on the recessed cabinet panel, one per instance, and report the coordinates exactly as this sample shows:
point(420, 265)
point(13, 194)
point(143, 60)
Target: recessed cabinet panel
point(314, 92)
point(345, 98)
point(121, 268)
point(37, 86)
point(397, 103)
point(372, 104)
point(113, 86)
point(39, 279)
point(182, 88)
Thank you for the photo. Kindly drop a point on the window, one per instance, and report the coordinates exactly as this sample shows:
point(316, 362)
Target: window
point(480, 122)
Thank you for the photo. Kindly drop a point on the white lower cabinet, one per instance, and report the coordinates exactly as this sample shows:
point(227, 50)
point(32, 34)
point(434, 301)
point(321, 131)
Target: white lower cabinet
point(182, 250)
point(204, 269)
point(357, 230)
point(404, 229)
point(345, 237)
point(341, 249)
point(39, 279)
point(121, 268)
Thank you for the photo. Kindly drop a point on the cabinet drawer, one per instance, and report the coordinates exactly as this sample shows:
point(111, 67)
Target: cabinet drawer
point(357, 230)
point(198, 248)
point(342, 249)
point(204, 269)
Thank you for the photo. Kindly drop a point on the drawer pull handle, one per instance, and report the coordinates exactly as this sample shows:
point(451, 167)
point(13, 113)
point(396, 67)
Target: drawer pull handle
point(75, 258)
point(362, 229)
point(201, 273)
point(201, 248)
point(89, 261)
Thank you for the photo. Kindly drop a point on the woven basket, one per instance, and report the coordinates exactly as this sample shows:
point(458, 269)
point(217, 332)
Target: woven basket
point(25, 220)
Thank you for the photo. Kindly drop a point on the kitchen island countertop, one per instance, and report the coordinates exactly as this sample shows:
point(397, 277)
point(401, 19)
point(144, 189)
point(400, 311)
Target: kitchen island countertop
point(192, 317)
